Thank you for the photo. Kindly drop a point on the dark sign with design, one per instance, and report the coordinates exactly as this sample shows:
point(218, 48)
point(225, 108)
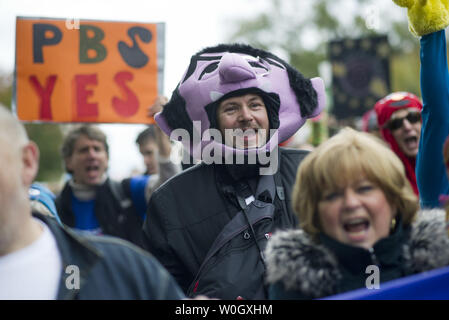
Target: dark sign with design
point(360, 74)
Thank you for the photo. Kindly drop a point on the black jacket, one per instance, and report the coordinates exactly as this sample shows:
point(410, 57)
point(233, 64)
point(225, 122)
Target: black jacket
point(300, 268)
point(109, 268)
point(189, 211)
point(115, 211)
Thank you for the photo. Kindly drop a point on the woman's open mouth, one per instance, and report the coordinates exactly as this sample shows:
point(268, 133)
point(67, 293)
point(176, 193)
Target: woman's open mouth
point(356, 228)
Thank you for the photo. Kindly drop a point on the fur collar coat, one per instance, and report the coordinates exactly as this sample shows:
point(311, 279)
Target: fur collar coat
point(298, 267)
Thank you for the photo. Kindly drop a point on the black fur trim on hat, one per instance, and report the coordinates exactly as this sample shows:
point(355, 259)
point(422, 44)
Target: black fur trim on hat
point(304, 91)
point(176, 115)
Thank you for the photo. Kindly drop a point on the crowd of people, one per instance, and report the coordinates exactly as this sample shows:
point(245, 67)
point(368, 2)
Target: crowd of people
point(250, 220)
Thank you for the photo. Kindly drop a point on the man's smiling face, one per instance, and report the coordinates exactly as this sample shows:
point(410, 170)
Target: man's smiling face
point(244, 121)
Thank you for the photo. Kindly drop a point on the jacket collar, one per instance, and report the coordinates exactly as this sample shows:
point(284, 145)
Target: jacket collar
point(75, 251)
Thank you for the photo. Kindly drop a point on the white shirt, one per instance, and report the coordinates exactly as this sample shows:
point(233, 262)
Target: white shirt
point(33, 272)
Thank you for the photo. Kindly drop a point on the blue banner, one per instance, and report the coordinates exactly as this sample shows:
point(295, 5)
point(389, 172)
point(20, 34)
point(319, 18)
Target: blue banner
point(431, 285)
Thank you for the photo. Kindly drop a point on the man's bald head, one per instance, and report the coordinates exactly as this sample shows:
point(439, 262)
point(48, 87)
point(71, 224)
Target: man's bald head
point(19, 162)
point(12, 132)
point(19, 157)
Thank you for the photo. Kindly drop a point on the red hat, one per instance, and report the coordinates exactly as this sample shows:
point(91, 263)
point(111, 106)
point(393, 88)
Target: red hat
point(395, 101)
point(385, 107)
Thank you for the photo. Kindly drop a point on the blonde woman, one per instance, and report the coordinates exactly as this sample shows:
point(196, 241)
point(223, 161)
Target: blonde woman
point(356, 208)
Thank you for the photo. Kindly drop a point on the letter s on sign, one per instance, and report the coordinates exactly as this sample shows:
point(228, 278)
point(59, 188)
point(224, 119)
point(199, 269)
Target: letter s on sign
point(129, 106)
point(134, 56)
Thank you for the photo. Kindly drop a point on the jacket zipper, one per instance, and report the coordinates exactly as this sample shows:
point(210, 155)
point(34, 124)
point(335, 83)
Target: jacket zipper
point(373, 257)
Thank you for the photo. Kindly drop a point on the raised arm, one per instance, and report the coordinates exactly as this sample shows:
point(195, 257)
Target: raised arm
point(434, 78)
point(427, 19)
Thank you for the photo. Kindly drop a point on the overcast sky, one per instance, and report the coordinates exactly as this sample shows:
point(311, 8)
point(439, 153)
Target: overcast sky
point(190, 26)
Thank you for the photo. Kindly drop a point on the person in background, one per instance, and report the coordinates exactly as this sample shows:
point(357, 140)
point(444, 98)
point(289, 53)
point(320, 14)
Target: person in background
point(355, 208)
point(369, 123)
point(148, 148)
point(155, 148)
point(159, 137)
point(90, 201)
point(41, 260)
point(428, 21)
point(399, 120)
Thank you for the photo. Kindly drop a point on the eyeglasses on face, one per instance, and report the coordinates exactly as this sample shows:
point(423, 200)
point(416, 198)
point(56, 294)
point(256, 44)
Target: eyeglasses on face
point(396, 123)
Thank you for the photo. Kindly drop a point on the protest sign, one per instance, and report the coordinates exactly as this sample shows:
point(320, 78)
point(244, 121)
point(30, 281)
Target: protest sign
point(87, 71)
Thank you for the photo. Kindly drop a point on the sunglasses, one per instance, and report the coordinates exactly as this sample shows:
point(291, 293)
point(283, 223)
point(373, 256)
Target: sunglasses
point(396, 123)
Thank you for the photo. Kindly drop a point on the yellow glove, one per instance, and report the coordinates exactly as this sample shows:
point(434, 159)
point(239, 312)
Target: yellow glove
point(426, 16)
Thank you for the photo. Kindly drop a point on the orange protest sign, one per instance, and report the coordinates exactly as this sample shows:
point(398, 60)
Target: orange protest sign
point(87, 71)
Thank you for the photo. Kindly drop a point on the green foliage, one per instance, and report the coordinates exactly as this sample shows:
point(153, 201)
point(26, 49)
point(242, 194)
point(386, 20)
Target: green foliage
point(405, 68)
point(322, 19)
point(6, 90)
point(307, 61)
point(49, 138)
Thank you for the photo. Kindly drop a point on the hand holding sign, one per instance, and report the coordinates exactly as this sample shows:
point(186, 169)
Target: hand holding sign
point(157, 106)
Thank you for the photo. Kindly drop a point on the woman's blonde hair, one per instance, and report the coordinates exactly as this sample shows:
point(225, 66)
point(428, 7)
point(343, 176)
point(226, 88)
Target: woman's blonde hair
point(342, 159)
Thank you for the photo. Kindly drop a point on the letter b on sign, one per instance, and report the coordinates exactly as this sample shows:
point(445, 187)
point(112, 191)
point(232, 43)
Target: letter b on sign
point(72, 282)
point(92, 44)
point(372, 282)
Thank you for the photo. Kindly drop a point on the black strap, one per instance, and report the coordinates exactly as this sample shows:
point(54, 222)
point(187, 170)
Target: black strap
point(265, 184)
point(244, 207)
point(119, 194)
point(236, 226)
point(280, 191)
point(245, 218)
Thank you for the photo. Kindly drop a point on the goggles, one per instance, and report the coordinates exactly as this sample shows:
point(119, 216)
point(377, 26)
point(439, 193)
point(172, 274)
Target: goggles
point(396, 123)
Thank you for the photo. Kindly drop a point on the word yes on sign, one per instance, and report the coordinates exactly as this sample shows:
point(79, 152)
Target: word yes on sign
point(93, 71)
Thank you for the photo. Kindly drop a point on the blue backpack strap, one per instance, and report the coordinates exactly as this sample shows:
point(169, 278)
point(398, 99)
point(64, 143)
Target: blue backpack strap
point(137, 187)
point(38, 192)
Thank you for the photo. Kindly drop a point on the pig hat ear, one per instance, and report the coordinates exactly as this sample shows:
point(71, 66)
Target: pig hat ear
point(216, 73)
